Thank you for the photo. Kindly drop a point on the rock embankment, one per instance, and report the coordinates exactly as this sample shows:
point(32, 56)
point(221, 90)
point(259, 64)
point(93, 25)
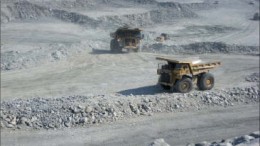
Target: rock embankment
point(201, 48)
point(247, 140)
point(251, 139)
point(55, 113)
point(254, 77)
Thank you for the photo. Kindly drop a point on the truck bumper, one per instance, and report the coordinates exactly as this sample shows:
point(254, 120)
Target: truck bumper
point(131, 48)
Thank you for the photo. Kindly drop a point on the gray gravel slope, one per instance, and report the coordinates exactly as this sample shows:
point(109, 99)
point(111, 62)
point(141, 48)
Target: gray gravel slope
point(175, 128)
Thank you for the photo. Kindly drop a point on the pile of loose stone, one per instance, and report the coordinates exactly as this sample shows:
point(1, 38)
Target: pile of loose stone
point(60, 112)
point(254, 77)
point(201, 48)
point(247, 140)
point(159, 142)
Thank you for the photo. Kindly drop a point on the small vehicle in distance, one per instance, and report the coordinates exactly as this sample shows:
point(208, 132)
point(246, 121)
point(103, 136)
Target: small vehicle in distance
point(162, 38)
point(180, 75)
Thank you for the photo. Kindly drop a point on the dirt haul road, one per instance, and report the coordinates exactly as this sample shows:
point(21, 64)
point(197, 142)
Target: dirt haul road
point(176, 128)
point(109, 73)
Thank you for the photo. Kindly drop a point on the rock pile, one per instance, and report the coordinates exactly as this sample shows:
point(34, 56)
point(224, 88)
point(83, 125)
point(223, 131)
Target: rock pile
point(253, 77)
point(201, 48)
point(55, 113)
point(159, 142)
point(247, 140)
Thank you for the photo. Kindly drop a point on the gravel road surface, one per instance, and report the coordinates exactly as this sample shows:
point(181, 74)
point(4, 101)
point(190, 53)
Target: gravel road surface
point(175, 128)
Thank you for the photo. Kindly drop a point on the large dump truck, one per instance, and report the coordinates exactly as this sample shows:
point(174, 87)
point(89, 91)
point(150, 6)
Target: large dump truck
point(180, 75)
point(126, 38)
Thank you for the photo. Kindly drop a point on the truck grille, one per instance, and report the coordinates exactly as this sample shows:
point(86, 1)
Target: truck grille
point(129, 42)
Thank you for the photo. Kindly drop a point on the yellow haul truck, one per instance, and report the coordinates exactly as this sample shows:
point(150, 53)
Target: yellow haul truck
point(180, 75)
point(126, 38)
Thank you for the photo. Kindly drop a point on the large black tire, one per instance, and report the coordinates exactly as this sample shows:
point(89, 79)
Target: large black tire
point(114, 46)
point(135, 50)
point(138, 48)
point(166, 87)
point(206, 81)
point(184, 85)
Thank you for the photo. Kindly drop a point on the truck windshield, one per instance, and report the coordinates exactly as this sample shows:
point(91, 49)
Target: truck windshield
point(178, 66)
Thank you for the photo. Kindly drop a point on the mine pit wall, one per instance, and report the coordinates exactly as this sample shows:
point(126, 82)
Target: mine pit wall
point(25, 10)
point(164, 12)
point(201, 48)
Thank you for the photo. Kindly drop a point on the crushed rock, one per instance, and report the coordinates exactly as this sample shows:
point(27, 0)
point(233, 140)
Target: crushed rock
point(247, 140)
point(254, 77)
point(159, 142)
point(201, 48)
point(55, 113)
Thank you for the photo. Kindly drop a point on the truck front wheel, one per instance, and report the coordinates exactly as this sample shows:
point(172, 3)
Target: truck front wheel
point(184, 85)
point(206, 81)
point(114, 46)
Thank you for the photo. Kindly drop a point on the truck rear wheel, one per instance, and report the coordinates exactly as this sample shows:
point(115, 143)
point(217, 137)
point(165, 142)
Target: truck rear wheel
point(135, 50)
point(184, 85)
point(114, 46)
point(206, 81)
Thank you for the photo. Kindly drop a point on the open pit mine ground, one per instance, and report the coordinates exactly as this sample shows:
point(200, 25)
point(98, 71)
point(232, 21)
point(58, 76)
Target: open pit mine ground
point(61, 85)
